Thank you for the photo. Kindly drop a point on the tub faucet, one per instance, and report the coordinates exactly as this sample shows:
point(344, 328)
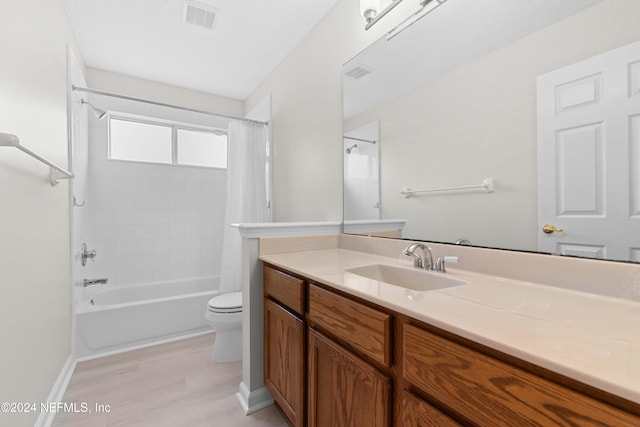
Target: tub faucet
point(425, 261)
point(89, 282)
point(86, 254)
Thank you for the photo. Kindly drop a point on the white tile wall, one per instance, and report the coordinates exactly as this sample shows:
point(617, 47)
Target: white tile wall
point(153, 222)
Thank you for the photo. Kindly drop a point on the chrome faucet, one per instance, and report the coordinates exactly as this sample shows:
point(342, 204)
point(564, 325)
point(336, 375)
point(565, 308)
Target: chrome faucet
point(89, 282)
point(425, 261)
point(463, 242)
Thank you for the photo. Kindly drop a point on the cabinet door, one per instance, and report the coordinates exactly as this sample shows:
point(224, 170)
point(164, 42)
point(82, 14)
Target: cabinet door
point(284, 360)
point(344, 390)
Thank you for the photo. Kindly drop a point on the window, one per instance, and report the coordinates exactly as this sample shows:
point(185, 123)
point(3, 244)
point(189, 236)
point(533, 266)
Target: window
point(197, 148)
point(154, 141)
point(143, 142)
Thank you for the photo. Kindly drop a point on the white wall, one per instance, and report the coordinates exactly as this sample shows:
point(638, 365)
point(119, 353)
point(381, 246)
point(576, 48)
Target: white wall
point(307, 112)
point(160, 92)
point(34, 217)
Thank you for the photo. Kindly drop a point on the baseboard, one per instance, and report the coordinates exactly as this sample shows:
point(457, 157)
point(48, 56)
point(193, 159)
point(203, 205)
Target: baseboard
point(253, 401)
point(57, 392)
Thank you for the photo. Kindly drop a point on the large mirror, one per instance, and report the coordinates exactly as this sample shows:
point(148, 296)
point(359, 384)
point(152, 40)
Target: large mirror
point(496, 118)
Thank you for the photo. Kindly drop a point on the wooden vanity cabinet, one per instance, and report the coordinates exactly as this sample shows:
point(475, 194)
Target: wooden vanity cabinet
point(284, 343)
point(357, 370)
point(345, 389)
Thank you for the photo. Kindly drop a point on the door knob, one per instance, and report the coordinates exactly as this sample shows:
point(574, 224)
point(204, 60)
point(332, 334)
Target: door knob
point(548, 228)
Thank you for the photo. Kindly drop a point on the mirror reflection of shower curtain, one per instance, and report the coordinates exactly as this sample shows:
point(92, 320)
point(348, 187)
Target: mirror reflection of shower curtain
point(361, 173)
point(246, 194)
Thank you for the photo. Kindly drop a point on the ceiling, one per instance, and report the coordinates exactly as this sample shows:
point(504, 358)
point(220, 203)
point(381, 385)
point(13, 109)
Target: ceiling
point(149, 39)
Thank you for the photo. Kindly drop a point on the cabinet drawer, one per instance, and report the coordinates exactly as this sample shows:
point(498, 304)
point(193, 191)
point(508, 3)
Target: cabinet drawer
point(364, 328)
point(493, 393)
point(286, 289)
point(416, 412)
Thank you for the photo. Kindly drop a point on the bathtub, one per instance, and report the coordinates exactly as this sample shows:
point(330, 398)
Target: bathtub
point(112, 319)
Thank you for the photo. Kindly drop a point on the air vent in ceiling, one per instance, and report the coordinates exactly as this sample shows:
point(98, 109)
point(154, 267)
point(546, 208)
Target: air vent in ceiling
point(199, 14)
point(358, 71)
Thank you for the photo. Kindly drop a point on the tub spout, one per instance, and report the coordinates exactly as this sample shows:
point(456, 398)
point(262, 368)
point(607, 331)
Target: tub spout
point(89, 282)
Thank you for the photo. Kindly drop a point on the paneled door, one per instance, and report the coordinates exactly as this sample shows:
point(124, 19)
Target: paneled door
point(283, 360)
point(589, 157)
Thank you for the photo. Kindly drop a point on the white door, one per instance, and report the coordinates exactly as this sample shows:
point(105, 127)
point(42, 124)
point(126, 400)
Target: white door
point(589, 156)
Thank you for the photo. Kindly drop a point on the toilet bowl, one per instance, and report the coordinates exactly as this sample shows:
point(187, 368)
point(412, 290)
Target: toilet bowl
point(224, 314)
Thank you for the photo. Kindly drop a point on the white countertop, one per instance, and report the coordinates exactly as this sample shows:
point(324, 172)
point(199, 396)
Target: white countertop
point(591, 338)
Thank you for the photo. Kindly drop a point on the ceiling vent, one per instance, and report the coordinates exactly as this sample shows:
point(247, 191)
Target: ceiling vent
point(358, 71)
point(199, 14)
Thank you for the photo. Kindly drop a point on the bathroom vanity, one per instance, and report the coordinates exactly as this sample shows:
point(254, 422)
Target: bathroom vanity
point(343, 346)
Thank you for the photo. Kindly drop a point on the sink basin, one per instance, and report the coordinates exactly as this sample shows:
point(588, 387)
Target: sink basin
point(415, 279)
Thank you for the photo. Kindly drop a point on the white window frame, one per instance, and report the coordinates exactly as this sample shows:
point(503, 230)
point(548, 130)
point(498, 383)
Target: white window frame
point(174, 125)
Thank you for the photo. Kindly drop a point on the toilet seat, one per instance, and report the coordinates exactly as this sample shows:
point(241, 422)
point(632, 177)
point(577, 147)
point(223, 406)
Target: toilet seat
point(224, 315)
point(226, 303)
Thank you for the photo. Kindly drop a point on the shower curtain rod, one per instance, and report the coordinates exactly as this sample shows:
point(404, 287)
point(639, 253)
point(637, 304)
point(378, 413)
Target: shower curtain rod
point(359, 139)
point(162, 104)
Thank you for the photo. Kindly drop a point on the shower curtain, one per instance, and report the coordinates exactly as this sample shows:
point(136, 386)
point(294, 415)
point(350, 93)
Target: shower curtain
point(246, 194)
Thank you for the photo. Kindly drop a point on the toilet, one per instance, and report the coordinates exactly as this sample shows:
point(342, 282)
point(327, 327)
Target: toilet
point(224, 314)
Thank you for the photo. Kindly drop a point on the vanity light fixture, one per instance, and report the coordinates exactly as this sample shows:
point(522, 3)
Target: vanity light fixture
point(370, 10)
point(427, 6)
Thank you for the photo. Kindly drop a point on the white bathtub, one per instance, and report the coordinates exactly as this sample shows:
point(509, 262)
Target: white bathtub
point(118, 318)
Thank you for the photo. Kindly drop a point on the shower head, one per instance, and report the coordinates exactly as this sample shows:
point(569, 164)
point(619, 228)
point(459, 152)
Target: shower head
point(98, 112)
point(350, 149)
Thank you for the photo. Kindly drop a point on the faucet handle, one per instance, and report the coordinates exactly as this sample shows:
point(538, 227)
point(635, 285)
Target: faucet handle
point(440, 264)
point(87, 254)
